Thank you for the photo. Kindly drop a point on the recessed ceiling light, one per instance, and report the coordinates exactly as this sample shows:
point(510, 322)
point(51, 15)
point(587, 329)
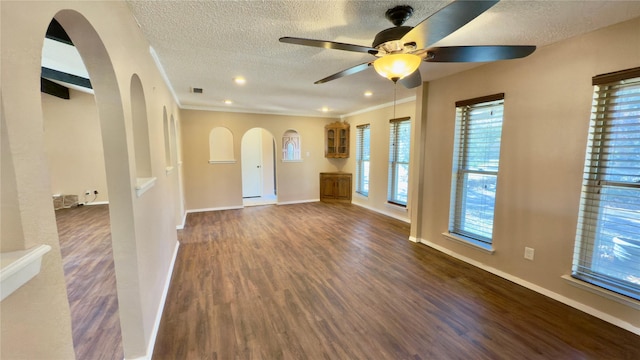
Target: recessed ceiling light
point(325, 109)
point(368, 93)
point(239, 80)
point(228, 102)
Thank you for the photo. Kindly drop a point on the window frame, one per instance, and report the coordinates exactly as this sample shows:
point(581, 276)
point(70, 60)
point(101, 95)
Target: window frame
point(395, 147)
point(362, 173)
point(596, 218)
point(461, 172)
point(291, 138)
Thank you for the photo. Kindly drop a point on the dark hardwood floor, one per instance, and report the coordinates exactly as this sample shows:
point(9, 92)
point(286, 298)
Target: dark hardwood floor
point(336, 281)
point(87, 257)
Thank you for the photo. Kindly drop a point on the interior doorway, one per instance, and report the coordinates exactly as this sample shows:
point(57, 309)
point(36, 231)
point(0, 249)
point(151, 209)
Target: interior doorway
point(74, 148)
point(259, 185)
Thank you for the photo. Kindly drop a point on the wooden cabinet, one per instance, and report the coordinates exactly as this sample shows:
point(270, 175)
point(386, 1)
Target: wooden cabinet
point(336, 140)
point(335, 186)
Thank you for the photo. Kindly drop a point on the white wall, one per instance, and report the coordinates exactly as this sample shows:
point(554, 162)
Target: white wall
point(35, 319)
point(73, 143)
point(379, 162)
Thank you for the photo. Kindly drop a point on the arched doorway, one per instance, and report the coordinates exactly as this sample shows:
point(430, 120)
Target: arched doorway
point(109, 107)
point(258, 154)
point(75, 153)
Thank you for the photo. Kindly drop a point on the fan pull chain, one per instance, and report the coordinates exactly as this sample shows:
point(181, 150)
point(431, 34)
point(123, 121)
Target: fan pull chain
point(395, 90)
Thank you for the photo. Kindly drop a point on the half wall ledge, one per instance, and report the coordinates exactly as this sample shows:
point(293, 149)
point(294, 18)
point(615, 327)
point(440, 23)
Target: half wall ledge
point(18, 267)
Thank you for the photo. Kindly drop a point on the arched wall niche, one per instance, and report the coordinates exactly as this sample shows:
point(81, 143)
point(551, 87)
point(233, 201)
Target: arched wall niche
point(167, 141)
point(140, 128)
point(221, 146)
point(291, 146)
point(173, 141)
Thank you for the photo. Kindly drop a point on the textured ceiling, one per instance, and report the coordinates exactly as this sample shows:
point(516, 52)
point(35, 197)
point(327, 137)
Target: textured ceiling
point(206, 44)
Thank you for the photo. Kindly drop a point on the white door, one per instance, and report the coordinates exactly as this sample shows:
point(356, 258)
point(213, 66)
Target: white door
point(251, 148)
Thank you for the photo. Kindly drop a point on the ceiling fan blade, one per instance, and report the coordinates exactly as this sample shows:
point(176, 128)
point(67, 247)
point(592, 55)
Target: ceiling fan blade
point(328, 44)
point(411, 81)
point(477, 53)
point(445, 21)
point(349, 71)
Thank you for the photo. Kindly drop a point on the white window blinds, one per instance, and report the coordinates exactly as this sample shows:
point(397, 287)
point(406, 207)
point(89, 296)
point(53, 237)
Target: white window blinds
point(363, 150)
point(476, 160)
point(607, 251)
point(399, 149)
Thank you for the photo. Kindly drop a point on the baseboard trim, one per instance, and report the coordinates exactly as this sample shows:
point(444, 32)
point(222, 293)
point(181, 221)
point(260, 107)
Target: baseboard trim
point(531, 286)
point(163, 299)
point(298, 202)
point(390, 214)
point(184, 221)
point(96, 203)
point(214, 209)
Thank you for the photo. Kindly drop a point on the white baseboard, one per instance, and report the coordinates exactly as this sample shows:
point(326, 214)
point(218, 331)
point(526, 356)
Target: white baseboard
point(96, 203)
point(184, 220)
point(531, 286)
point(163, 299)
point(387, 213)
point(214, 209)
point(298, 202)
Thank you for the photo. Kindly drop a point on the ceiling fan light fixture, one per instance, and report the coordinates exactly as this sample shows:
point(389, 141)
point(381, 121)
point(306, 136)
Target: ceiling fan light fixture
point(397, 66)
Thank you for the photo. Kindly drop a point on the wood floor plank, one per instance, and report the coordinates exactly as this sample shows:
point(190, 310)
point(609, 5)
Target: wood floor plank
point(87, 258)
point(336, 281)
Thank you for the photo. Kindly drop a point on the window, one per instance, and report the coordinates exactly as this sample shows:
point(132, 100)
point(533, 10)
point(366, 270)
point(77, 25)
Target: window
point(607, 251)
point(475, 166)
point(291, 146)
point(399, 143)
point(362, 158)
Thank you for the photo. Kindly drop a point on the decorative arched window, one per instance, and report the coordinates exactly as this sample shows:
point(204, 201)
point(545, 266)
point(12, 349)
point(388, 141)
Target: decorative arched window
point(291, 146)
point(221, 146)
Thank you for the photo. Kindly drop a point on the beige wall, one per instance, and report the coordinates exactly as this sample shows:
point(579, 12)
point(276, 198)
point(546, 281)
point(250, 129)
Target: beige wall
point(379, 165)
point(35, 319)
point(268, 163)
point(546, 119)
point(219, 186)
point(73, 144)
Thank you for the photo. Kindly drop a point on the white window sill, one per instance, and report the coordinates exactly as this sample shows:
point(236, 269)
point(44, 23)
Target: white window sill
point(474, 244)
point(144, 184)
point(222, 161)
point(18, 267)
point(396, 207)
point(362, 196)
point(292, 161)
point(602, 292)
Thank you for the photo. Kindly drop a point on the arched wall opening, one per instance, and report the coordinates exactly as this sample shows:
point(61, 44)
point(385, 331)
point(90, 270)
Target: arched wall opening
point(118, 172)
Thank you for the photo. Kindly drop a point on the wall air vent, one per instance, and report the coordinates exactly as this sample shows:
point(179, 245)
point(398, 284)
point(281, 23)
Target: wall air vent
point(196, 90)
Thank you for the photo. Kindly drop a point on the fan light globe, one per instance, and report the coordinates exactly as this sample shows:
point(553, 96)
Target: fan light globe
point(397, 66)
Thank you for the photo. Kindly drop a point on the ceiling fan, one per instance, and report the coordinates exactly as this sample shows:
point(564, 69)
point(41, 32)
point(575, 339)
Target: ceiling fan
point(401, 49)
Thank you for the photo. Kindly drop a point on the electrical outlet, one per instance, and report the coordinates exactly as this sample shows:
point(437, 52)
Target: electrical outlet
point(528, 253)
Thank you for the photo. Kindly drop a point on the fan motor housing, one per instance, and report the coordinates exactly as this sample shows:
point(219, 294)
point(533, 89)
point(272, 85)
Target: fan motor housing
point(391, 34)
